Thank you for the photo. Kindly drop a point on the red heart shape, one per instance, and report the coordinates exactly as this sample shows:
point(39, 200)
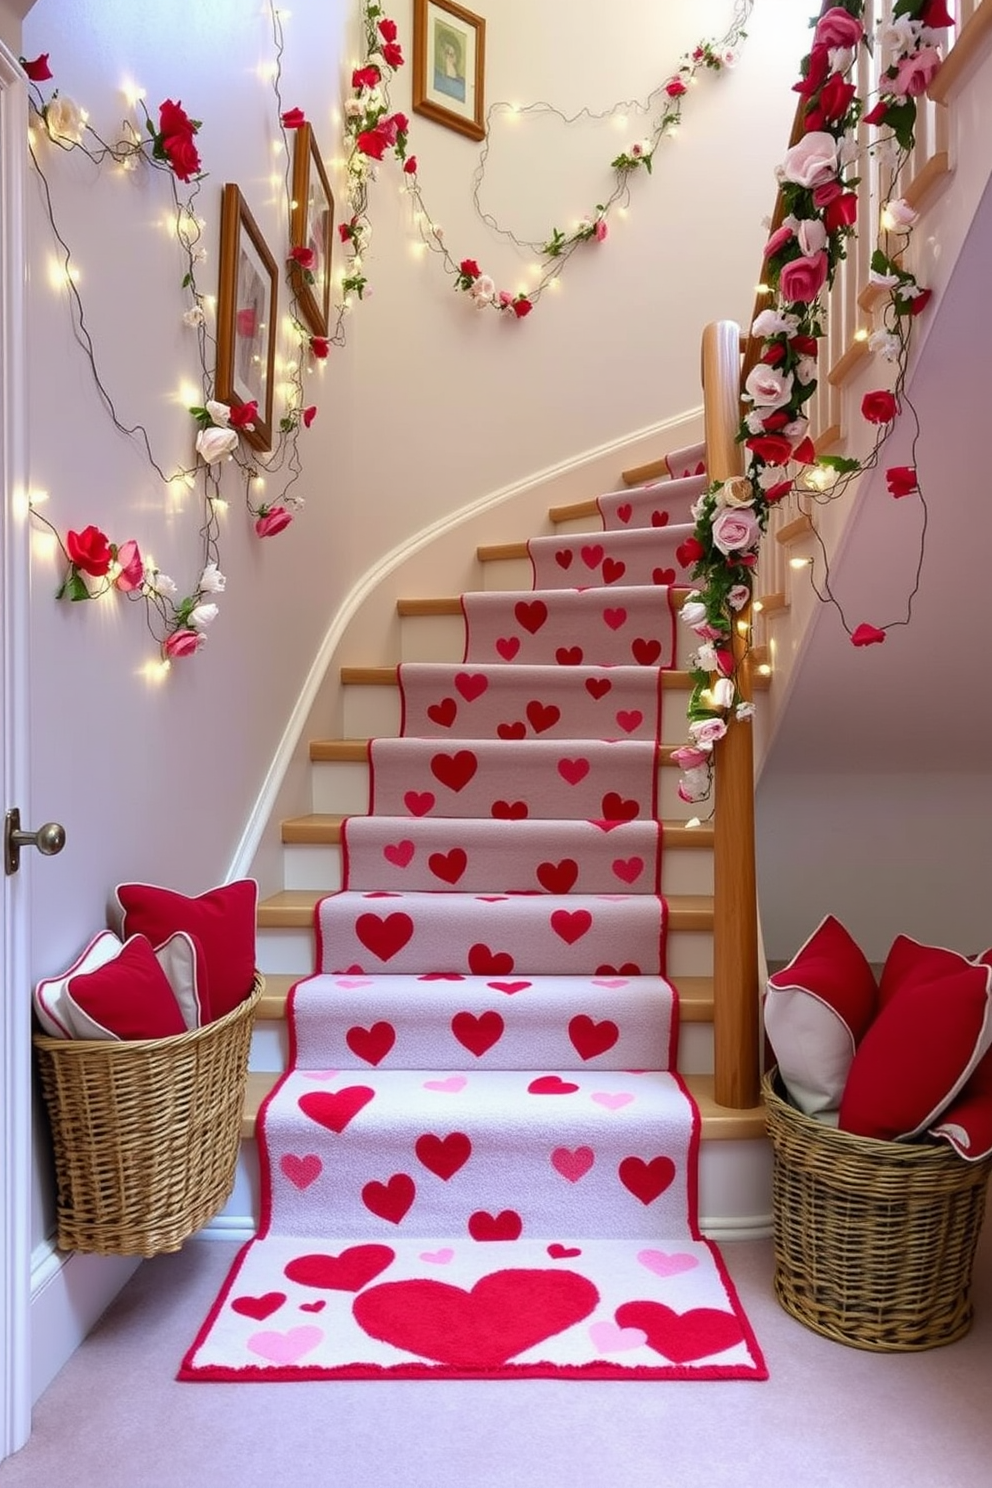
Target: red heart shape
point(542, 717)
point(506, 1225)
point(484, 962)
point(443, 713)
point(569, 656)
point(531, 615)
point(509, 810)
point(313, 1306)
point(615, 808)
point(448, 866)
point(682, 1336)
point(663, 576)
point(613, 569)
point(347, 1272)
point(335, 1109)
point(659, 519)
point(615, 619)
point(592, 555)
point(647, 1181)
point(570, 925)
point(572, 771)
point(558, 878)
point(471, 685)
point(392, 1199)
point(598, 687)
point(384, 936)
point(371, 1044)
point(454, 770)
point(508, 646)
point(590, 1038)
point(400, 854)
point(645, 652)
point(625, 512)
point(509, 987)
point(418, 803)
point(629, 968)
point(301, 1171)
point(504, 1314)
point(477, 1033)
point(563, 558)
point(511, 730)
point(563, 1252)
point(259, 1308)
point(551, 1085)
point(443, 1156)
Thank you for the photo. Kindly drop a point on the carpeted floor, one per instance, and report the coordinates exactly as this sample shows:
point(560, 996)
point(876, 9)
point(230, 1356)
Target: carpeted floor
point(828, 1417)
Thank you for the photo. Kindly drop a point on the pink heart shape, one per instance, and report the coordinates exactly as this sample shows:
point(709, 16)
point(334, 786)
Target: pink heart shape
point(351, 983)
point(285, 1348)
point(572, 1165)
point(301, 1171)
point(318, 1074)
point(612, 1101)
point(610, 982)
point(609, 1339)
point(442, 1257)
point(399, 854)
point(451, 1085)
point(664, 1264)
point(628, 870)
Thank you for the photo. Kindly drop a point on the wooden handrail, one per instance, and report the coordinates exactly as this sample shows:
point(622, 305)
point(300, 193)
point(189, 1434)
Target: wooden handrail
point(735, 934)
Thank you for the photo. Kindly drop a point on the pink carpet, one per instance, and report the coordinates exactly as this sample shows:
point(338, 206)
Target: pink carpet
point(481, 1161)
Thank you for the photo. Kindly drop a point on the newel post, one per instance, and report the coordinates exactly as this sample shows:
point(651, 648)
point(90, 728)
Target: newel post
point(735, 931)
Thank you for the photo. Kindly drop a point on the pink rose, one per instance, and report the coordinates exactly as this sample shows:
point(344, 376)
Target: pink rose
point(708, 730)
point(272, 520)
point(801, 280)
point(675, 88)
point(812, 161)
point(915, 73)
point(778, 239)
point(600, 231)
point(838, 28)
point(183, 643)
point(735, 530)
point(132, 568)
point(690, 757)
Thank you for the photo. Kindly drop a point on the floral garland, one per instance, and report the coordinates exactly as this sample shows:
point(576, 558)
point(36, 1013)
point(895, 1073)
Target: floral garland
point(372, 131)
point(801, 256)
point(94, 565)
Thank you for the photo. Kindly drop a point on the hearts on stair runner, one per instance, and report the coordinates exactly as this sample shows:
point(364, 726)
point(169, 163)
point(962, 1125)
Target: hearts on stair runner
point(481, 1160)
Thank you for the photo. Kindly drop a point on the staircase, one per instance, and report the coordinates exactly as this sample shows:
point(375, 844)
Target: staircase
point(735, 1163)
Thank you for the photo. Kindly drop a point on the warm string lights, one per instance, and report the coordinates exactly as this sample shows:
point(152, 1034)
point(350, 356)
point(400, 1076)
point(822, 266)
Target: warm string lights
point(95, 566)
point(817, 181)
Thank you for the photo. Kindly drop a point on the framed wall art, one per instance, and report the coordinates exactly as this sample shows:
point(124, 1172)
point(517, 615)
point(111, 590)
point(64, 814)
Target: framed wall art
point(449, 59)
point(311, 226)
point(246, 316)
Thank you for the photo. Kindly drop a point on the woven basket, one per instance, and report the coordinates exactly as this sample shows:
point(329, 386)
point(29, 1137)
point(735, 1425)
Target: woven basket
point(145, 1132)
point(874, 1241)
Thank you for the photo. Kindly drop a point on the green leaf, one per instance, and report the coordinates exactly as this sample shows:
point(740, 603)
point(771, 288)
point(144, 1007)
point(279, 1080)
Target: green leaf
point(187, 281)
point(76, 586)
point(841, 463)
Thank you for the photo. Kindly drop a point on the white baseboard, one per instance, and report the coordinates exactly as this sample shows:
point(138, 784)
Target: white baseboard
point(69, 1293)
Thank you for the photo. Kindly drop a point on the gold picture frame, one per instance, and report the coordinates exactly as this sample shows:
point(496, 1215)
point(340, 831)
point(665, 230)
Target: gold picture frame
point(246, 316)
point(449, 64)
point(311, 225)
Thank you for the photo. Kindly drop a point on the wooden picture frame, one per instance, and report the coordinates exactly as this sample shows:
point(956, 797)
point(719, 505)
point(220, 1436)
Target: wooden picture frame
point(449, 63)
point(311, 225)
point(246, 316)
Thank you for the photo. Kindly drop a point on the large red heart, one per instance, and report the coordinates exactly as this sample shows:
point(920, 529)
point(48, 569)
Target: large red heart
point(384, 935)
point(418, 803)
point(531, 616)
point(663, 575)
point(371, 1044)
point(259, 1308)
point(506, 1225)
point(563, 558)
point(443, 713)
point(511, 730)
point(615, 808)
point(592, 555)
point(625, 512)
point(509, 810)
point(571, 925)
point(448, 866)
point(484, 962)
point(443, 1156)
point(573, 770)
point(558, 878)
point(455, 770)
point(392, 1199)
point(646, 1180)
point(477, 1033)
point(504, 1314)
point(682, 1336)
point(471, 685)
point(613, 570)
point(659, 519)
point(569, 656)
point(335, 1108)
point(644, 651)
point(615, 618)
point(347, 1272)
point(589, 1038)
point(598, 687)
point(542, 716)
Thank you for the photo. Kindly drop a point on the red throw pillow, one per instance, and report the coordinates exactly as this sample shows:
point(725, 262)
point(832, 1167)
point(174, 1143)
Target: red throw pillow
point(49, 995)
point(127, 998)
point(816, 1012)
point(967, 1121)
point(222, 920)
point(933, 1027)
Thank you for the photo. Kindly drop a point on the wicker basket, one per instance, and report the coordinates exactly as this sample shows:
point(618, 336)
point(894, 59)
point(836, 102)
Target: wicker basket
point(874, 1241)
point(145, 1132)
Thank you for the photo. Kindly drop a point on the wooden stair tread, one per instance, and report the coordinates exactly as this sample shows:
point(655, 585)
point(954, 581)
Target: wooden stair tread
point(357, 751)
point(717, 1123)
point(293, 909)
point(576, 509)
point(672, 680)
point(322, 828)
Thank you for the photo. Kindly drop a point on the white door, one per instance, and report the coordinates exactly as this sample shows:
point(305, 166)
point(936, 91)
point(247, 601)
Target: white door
point(15, 1014)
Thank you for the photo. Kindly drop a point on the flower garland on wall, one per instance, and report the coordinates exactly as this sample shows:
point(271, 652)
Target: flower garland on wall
point(817, 186)
point(373, 131)
point(96, 566)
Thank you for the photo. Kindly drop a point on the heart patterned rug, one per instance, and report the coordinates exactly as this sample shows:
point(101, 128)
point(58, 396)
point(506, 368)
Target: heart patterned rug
point(481, 1161)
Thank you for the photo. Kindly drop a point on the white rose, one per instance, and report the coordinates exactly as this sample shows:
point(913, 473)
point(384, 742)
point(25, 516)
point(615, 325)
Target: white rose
point(806, 370)
point(744, 711)
point(812, 161)
point(64, 119)
point(219, 412)
point(203, 615)
point(886, 344)
point(767, 387)
point(735, 492)
point(706, 657)
point(353, 109)
point(723, 691)
point(900, 214)
point(212, 581)
point(738, 596)
point(899, 36)
point(770, 475)
point(693, 613)
point(755, 425)
point(884, 281)
point(797, 430)
point(772, 323)
point(214, 444)
point(158, 583)
point(812, 236)
point(193, 317)
point(840, 59)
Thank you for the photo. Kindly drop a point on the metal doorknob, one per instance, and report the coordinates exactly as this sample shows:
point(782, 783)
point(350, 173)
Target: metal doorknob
point(49, 840)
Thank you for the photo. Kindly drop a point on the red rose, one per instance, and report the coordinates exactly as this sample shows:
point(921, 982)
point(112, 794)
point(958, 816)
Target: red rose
point(402, 123)
point(320, 346)
point(773, 353)
point(816, 72)
point(831, 105)
point(877, 114)
point(387, 29)
point(366, 77)
point(182, 155)
point(675, 88)
point(901, 480)
point(410, 166)
point(841, 212)
point(183, 643)
point(38, 70)
point(273, 520)
point(879, 407)
point(309, 414)
point(293, 118)
point(772, 449)
point(393, 54)
point(776, 421)
point(243, 415)
point(89, 550)
point(372, 143)
point(689, 552)
point(805, 345)
point(469, 268)
point(867, 635)
point(522, 306)
point(805, 452)
point(935, 14)
point(776, 492)
point(920, 302)
point(305, 257)
point(173, 119)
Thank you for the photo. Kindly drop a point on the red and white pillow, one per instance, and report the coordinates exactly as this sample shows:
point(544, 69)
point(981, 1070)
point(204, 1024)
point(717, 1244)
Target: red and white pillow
point(816, 1010)
point(125, 990)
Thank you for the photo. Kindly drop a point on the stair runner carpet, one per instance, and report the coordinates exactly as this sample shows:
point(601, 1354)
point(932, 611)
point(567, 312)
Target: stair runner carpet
point(481, 1161)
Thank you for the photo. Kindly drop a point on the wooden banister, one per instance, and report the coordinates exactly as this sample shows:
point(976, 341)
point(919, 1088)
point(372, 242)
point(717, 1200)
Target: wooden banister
point(735, 935)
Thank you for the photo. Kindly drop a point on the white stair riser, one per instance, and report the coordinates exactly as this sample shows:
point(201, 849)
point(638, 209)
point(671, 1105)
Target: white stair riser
point(342, 787)
point(508, 573)
point(735, 1192)
point(684, 871)
point(442, 638)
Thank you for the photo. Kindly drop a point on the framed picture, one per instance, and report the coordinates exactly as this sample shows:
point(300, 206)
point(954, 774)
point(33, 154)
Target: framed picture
point(449, 60)
point(246, 316)
point(311, 225)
